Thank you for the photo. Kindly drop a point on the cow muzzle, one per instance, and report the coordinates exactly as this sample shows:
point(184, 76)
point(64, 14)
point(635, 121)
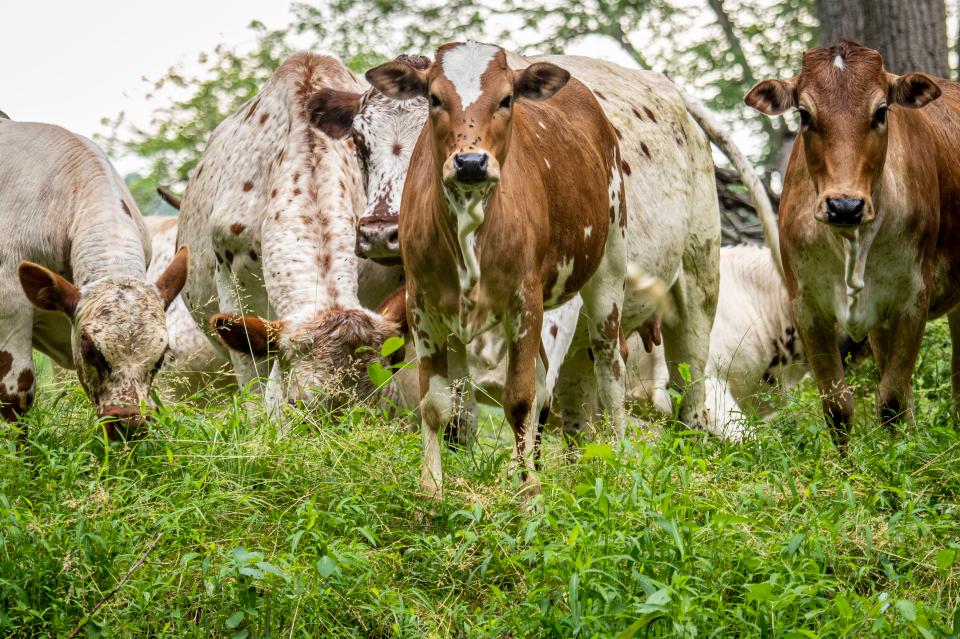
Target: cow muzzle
point(378, 238)
point(471, 169)
point(844, 211)
point(122, 421)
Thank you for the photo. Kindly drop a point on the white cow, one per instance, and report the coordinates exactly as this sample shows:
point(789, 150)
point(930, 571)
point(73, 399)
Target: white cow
point(270, 213)
point(192, 363)
point(75, 253)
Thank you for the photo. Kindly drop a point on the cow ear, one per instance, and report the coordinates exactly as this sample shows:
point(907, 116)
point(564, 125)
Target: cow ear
point(913, 90)
point(772, 97)
point(169, 197)
point(173, 278)
point(46, 290)
point(247, 333)
point(398, 80)
point(394, 309)
point(540, 81)
point(333, 111)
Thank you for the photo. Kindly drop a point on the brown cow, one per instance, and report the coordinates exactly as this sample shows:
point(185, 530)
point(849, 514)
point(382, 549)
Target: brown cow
point(869, 219)
point(495, 237)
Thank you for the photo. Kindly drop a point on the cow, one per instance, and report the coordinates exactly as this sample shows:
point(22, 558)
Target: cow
point(75, 254)
point(670, 192)
point(869, 219)
point(513, 203)
point(270, 212)
point(192, 363)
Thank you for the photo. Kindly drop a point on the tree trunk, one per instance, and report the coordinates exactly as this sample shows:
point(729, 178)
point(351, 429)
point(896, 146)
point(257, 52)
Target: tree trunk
point(911, 34)
point(840, 19)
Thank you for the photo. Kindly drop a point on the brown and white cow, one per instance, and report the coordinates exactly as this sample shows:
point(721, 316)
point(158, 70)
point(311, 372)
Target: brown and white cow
point(74, 260)
point(513, 202)
point(270, 213)
point(869, 217)
point(673, 234)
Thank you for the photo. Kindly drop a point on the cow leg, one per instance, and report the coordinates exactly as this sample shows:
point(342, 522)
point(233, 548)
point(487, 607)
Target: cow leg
point(820, 344)
point(462, 429)
point(686, 340)
point(246, 368)
point(436, 409)
point(954, 319)
point(520, 405)
point(899, 357)
point(602, 306)
point(16, 362)
point(575, 395)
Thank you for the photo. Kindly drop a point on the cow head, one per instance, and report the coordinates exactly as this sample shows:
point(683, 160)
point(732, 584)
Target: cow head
point(844, 96)
point(323, 359)
point(384, 131)
point(470, 92)
point(119, 334)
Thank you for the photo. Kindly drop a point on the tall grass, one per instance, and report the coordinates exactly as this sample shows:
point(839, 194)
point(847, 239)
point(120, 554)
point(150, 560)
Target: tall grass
point(312, 526)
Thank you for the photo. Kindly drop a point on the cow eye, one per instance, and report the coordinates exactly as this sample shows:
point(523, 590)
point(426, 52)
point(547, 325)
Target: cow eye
point(435, 101)
point(506, 102)
point(804, 118)
point(879, 116)
point(92, 355)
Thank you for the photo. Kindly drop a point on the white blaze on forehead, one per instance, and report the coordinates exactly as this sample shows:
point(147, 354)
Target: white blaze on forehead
point(838, 62)
point(464, 65)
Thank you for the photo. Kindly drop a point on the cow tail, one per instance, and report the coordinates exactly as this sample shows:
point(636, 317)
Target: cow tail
point(651, 291)
point(755, 187)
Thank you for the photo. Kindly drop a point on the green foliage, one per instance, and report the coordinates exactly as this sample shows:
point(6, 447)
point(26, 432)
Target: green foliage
point(312, 526)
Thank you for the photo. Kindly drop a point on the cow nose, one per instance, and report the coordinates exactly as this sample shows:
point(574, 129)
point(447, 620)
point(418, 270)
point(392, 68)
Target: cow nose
point(471, 168)
point(844, 211)
point(378, 237)
point(122, 420)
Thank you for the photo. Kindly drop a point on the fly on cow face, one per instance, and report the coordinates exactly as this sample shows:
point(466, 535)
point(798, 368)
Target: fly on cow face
point(844, 97)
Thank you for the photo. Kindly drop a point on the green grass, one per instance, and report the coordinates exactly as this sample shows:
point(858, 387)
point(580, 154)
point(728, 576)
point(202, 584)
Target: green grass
point(314, 528)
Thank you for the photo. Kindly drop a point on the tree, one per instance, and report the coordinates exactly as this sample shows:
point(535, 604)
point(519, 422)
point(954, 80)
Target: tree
point(911, 35)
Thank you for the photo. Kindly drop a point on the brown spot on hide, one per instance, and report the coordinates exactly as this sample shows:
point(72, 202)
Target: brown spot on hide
point(650, 113)
point(397, 148)
point(554, 330)
point(236, 228)
point(617, 131)
point(247, 185)
point(126, 209)
point(263, 117)
point(625, 167)
point(6, 363)
point(25, 380)
point(645, 149)
point(273, 193)
point(600, 95)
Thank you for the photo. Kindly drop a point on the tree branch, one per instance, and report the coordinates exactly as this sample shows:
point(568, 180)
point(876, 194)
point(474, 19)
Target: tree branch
point(615, 31)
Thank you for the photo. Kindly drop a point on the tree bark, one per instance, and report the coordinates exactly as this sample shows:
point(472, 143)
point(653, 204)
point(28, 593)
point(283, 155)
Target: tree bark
point(840, 19)
point(910, 34)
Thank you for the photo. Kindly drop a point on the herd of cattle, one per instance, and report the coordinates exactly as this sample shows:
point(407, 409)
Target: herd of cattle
point(545, 227)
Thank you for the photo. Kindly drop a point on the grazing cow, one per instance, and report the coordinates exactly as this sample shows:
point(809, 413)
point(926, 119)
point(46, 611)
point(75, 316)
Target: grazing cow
point(492, 237)
point(869, 217)
point(191, 362)
point(271, 213)
point(75, 254)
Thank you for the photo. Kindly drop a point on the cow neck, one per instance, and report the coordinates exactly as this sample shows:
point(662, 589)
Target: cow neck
point(464, 212)
point(313, 238)
point(106, 244)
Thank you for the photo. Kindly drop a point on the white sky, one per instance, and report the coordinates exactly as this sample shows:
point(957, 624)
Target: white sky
point(73, 62)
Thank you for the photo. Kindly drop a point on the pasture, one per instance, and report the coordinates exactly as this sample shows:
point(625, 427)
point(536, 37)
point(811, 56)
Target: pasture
point(221, 524)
